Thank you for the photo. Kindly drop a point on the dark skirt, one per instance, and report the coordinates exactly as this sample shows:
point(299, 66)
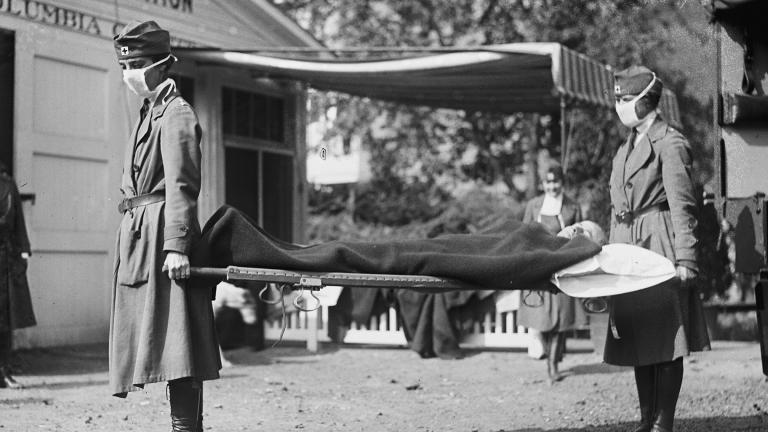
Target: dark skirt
point(656, 325)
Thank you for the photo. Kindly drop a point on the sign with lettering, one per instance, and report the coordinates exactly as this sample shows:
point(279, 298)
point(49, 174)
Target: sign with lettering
point(179, 5)
point(83, 22)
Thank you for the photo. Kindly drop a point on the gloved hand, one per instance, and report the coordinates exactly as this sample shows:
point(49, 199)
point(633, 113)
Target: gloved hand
point(177, 265)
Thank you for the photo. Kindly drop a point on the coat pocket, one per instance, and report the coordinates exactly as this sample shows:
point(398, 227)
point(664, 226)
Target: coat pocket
point(134, 252)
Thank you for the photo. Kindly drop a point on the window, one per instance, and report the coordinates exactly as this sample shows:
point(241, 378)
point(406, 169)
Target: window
point(260, 159)
point(252, 115)
point(186, 87)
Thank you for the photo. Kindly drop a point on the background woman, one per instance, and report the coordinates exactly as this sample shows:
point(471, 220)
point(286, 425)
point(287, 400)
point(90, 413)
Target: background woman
point(15, 302)
point(551, 314)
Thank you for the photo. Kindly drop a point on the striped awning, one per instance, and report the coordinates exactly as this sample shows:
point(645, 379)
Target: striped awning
point(511, 78)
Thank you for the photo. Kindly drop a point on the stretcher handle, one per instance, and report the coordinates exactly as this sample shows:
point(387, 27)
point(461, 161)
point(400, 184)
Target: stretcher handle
point(208, 272)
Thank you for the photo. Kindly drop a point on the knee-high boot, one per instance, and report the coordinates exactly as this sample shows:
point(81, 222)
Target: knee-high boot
point(186, 397)
point(669, 378)
point(645, 379)
point(6, 379)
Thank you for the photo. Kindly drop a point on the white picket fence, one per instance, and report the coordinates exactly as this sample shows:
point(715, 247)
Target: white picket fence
point(497, 330)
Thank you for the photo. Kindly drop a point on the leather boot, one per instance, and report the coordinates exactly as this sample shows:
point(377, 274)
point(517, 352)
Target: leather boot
point(7, 380)
point(669, 378)
point(645, 379)
point(186, 397)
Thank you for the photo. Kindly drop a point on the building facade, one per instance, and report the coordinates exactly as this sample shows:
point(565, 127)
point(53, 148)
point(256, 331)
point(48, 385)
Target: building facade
point(65, 117)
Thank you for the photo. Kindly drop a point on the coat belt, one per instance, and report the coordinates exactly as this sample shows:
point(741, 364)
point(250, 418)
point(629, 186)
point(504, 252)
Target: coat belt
point(140, 200)
point(629, 216)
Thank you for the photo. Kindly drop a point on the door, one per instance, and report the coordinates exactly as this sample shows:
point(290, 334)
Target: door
point(70, 124)
point(6, 99)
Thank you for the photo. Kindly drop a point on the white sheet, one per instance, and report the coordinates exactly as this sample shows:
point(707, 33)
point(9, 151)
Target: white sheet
point(617, 269)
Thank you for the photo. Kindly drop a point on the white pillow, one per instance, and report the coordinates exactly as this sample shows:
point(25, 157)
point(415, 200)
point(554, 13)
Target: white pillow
point(619, 268)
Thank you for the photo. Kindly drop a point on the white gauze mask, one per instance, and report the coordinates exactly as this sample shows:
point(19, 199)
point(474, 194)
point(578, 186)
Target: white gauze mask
point(627, 111)
point(136, 79)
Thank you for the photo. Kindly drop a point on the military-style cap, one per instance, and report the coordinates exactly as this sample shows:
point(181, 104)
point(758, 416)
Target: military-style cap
point(141, 39)
point(632, 81)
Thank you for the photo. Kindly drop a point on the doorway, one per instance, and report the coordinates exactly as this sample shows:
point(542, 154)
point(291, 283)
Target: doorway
point(7, 64)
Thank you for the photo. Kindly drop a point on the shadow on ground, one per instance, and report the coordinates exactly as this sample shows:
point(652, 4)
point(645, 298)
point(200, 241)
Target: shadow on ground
point(595, 368)
point(62, 360)
point(713, 424)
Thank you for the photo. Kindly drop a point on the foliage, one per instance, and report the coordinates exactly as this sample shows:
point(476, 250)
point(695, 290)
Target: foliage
point(475, 207)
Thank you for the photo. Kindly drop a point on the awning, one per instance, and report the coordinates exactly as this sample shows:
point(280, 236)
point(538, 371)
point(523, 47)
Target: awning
point(511, 78)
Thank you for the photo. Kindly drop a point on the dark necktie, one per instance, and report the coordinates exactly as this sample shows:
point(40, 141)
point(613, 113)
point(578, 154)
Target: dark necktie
point(632, 139)
point(144, 109)
point(630, 147)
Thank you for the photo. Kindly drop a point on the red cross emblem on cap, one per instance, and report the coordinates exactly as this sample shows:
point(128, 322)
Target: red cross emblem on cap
point(123, 50)
point(617, 88)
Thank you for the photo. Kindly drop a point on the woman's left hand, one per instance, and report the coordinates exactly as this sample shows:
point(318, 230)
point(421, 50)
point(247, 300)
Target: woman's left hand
point(25, 255)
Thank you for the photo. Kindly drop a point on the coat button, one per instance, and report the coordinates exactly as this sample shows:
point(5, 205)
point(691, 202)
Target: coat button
point(136, 168)
point(629, 185)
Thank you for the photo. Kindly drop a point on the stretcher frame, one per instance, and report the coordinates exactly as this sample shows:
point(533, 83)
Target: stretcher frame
point(312, 280)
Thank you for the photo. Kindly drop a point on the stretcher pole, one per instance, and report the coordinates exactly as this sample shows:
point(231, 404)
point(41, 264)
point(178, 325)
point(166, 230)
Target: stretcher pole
point(316, 280)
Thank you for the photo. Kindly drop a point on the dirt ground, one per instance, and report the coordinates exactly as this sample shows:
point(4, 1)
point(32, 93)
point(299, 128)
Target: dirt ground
point(345, 388)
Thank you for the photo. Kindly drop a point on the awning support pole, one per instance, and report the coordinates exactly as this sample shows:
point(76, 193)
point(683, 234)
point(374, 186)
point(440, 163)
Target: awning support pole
point(563, 138)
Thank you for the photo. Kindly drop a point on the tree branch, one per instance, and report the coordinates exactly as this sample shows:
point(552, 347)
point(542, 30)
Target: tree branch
point(488, 11)
point(430, 8)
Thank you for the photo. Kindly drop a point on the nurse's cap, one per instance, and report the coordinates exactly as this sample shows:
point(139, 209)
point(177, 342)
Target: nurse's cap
point(632, 81)
point(142, 39)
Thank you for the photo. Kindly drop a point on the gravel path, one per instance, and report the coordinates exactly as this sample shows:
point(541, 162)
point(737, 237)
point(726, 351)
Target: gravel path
point(389, 389)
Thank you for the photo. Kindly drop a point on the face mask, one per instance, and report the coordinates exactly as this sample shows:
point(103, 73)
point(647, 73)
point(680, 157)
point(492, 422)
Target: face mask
point(627, 110)
point(136, 79)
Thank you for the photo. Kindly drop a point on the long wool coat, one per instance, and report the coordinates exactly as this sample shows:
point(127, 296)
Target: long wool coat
point(558, 311)
point(667, 321)
point(15, 302)
point(160, 329)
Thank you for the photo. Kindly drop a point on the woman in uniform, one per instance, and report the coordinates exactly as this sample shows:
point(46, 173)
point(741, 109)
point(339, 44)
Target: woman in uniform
point(653, 206)
point(160, 330)
point(548, 315)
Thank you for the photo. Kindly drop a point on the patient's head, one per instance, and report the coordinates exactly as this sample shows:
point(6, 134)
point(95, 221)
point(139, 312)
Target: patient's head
point(586, 228)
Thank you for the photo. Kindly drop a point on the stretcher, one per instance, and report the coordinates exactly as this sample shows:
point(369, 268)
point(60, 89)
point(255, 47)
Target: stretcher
point(308, 281)
point(317, 280)
point(617, 269)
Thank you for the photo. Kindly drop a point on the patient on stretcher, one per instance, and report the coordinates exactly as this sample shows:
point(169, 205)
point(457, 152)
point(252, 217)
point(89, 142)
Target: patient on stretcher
point(514, 255)
point(511, 256)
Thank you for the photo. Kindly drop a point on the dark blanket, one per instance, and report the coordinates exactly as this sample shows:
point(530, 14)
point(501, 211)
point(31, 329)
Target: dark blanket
point(517, 255)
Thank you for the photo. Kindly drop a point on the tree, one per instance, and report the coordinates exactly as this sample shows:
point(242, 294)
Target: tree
point(421, 155)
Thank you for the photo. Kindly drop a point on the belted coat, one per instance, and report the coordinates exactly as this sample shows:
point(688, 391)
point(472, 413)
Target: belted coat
point(15, 301)
point(664, 322)
point(160, 329)
point(557, 311)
